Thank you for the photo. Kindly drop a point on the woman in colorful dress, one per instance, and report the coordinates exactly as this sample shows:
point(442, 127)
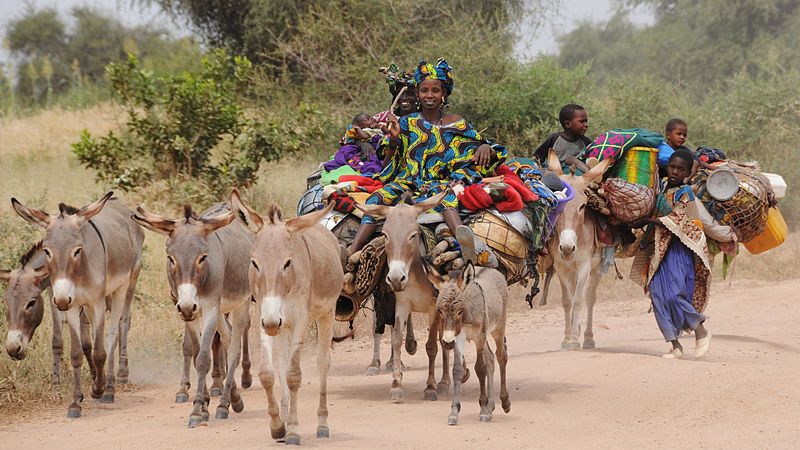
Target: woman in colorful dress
point(430, 151)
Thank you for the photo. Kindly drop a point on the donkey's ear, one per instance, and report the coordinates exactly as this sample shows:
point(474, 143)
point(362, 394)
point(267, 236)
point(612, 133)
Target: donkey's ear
point(5, 275)
point(212, 224)
point(90, 210)
point(425, 205)
point(40, 274)
point(250, 218)
point(553, 163)
point(307, 220)
point(374, 210)
point(153, 222)
point(433, 275)
point(34, 216)
point(597, 171)
point(467, 276)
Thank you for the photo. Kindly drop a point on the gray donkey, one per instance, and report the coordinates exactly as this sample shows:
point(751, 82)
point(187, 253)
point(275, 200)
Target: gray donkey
point(207, 265)
point(93, 255)
point(472, 305)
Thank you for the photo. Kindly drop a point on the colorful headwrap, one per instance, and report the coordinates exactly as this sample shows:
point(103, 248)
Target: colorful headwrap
point(396, 78)
point(440, 71)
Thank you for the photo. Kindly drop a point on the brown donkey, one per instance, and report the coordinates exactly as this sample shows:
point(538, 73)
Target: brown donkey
point(25, 311)
point(296, 277)
point(93, 254)
point(413, 291)
point(207, 271)
point(472, 306)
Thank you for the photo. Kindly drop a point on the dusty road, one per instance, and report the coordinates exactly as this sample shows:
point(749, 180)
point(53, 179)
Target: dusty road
point(744, 394)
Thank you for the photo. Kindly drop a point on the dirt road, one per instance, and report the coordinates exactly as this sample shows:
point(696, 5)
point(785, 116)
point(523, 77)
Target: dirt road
point(743, 394)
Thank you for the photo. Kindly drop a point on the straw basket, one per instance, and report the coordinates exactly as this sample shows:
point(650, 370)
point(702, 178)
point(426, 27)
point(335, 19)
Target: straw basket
point(627, 201)
point(499, 235)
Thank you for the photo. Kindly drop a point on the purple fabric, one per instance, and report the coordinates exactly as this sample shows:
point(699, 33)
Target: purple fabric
point(671, 291)
point(350, 154)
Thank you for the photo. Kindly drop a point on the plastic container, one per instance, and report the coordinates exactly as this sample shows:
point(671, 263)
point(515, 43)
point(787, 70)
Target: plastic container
point(552, 216)
point(777, 182)
point(639, 165)
point(773, 235)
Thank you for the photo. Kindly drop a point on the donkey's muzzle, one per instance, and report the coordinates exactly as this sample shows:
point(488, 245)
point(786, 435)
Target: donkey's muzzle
point(16, 346)
point(271, 327)
point(63, 304)
point(397, 282)
point(187, 312)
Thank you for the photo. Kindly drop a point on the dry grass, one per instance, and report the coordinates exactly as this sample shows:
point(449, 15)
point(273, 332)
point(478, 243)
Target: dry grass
point(38, 168)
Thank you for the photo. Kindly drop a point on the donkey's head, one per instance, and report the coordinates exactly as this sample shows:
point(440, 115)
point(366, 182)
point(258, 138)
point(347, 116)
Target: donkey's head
point(187, 253)
point(279, 265)
point(23, 300)
point(63, 245)
point(402, 236)
point(450, 300)
point(573, 222)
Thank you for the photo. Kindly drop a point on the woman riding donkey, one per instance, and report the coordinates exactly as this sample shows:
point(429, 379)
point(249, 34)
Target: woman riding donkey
point(428, 152)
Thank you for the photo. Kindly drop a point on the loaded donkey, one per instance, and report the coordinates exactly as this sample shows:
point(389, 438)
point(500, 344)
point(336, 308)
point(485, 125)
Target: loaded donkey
point(92, 254)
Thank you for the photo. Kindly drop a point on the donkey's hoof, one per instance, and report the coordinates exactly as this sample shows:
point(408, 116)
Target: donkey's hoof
point(506, 406)
point(431, 394)
point(452, 420)
point(222, 413)
point(396, 394)
point(247, 380)
point(107, 398)
point(323, 432)
point(122, 380)
point(238, 406)
point(181, 397)
point(588, 344)
point(278, 433)
point(96, 394)
point(411, 347)
point(293, 439)
point(570, 346)
point(443, 388)
point(74, 412)
point(215, 391)
point(486, 418)
point(195, 421)
point(204, 415)
point(373, 370)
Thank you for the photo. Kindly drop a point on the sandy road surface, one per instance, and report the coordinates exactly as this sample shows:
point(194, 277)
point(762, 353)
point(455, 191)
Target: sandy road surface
point(744, 394)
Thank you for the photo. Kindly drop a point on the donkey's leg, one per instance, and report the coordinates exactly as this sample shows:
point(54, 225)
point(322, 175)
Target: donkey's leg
point(325, 333)
point(566, 302)
point(125, 326)
point(432, 348)
point(182, 396)
point(97, 315)
point(233, 344)
point(480, 371)
point(502, 360)
point(411, 341)
point(444, 385)
point(217, 358)
point(458, 375)
point(86, 341)
point(76, 358)
point(374, 367)
point(58, 344)
point(591, 299)
point(247, 378)
point(488, 357)
point(266, 374)
point(400, 317)
point(579, 301)
point(118, 299)
point(294, 377)
point(203, 365)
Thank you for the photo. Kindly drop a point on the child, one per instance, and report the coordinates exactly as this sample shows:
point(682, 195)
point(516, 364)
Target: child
point(678, 272)
point(359, 147)
point(570, 143)
point(675, 134)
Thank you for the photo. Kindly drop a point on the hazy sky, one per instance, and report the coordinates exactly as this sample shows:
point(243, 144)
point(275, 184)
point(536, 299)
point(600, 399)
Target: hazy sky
point(532, 42)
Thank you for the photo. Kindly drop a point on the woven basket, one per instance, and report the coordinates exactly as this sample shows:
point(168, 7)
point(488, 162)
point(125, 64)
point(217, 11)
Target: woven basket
point(499, 235)
point(637, 166)
point(628, 202)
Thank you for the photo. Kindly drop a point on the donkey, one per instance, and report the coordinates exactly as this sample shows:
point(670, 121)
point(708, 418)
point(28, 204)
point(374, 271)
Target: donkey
point(25, 310)
point(472, 305)
point(413, 291)
point(207, 271)
point(94, 255)
point(296, 277)
point(576, 256)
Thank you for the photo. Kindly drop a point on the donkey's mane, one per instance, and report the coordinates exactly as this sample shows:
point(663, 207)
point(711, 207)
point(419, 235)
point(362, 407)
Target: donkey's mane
point(26, 258)
point(407, 197)
point(187, 213)
point(274, 214)
point(64, 208)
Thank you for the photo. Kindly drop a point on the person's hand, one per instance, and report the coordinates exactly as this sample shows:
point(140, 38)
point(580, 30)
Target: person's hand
point(393, 126)
point(360, 133)
point(483, 155)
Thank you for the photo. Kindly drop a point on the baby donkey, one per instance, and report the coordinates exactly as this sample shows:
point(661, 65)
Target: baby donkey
point(471, 305)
